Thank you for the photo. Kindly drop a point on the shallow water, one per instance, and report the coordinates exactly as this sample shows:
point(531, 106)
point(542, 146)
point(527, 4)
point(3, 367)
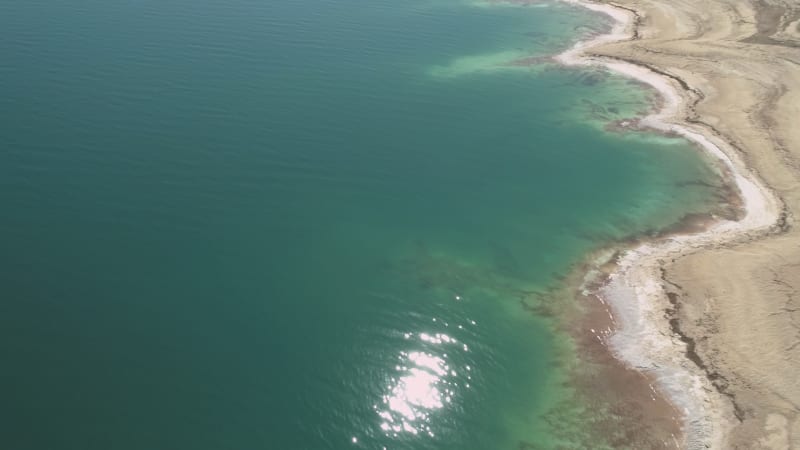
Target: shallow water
point(307, 225)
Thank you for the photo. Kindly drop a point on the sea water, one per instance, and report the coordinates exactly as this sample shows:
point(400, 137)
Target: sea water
point(311, 225)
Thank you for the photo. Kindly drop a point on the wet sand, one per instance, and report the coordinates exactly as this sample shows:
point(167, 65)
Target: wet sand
point(714, 316)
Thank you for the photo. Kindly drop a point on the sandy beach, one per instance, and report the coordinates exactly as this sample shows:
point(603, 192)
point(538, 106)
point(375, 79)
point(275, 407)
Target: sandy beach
point(714, 316)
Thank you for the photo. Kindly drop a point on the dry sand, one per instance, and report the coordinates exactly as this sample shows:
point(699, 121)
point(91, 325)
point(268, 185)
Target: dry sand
point(715, 316)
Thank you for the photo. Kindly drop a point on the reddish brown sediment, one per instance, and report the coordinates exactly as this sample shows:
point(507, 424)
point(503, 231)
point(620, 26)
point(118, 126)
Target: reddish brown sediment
point(628, 408)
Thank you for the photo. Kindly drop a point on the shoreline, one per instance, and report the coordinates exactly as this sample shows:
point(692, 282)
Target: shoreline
point(635, 290)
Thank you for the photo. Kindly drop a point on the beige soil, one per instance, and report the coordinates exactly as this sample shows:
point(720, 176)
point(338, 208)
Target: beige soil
point(737, 305)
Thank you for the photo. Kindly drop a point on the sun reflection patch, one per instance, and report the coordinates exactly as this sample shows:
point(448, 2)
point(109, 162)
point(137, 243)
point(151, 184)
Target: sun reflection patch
point(425, 382)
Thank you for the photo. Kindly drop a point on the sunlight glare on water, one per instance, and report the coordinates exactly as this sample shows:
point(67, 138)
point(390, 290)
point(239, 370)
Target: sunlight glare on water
point(424, 383)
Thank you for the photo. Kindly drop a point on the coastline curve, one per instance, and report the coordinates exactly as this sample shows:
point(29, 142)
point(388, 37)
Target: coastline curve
point(635, 290)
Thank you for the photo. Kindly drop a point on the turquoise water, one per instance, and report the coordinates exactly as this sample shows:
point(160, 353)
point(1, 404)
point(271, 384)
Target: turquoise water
point(306, 225)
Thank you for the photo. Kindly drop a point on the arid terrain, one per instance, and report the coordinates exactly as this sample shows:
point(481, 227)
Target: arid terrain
point(738, 304)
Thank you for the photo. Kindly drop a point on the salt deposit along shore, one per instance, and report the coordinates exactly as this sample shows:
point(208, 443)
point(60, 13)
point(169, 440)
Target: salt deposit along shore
point(713, 316)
